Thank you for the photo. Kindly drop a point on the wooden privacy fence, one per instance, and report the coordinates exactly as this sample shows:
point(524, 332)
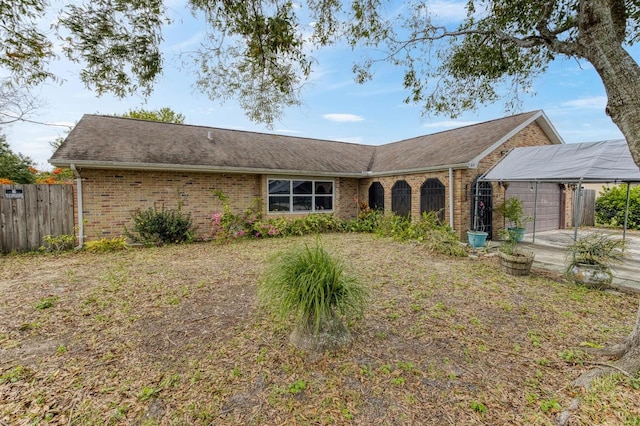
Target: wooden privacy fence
point(588, 208)
point(28, 213)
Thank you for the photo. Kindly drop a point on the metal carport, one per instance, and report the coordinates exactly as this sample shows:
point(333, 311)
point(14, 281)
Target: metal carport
point(576, 163)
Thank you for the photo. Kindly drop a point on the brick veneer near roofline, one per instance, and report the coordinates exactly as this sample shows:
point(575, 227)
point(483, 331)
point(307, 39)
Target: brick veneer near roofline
point(111, 196)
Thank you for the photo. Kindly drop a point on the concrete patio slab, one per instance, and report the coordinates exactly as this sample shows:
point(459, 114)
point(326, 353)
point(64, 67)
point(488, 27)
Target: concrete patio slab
point(550, 250)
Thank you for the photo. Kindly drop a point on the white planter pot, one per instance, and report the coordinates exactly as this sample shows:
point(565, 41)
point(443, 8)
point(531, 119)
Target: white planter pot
point(592, 276)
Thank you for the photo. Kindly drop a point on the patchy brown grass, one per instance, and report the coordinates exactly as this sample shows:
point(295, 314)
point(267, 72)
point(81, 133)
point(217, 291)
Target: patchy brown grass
point(173, 335)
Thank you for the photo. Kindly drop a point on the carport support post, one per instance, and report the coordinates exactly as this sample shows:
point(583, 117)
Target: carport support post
point(578, 210)
point(535, 213)
point(626, 215)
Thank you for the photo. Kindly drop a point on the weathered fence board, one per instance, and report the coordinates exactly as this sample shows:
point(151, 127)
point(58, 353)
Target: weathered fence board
point(588, 216)
point(28, 213)
point(587, 208)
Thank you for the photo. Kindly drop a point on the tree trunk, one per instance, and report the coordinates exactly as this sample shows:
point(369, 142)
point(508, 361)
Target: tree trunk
point(601, 36)
point(600, 43)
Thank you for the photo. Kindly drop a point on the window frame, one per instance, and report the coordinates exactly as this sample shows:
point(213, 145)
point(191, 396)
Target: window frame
point(296, 196)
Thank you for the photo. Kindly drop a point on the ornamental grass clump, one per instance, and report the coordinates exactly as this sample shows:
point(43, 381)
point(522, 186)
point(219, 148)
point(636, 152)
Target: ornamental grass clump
point(309, 286)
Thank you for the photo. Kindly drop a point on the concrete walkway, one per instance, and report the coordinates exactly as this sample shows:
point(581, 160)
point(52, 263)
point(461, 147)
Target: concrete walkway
point(550, 250)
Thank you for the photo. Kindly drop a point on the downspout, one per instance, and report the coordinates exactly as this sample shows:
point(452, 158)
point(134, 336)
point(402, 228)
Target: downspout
point(80, 206)
point(451, 198)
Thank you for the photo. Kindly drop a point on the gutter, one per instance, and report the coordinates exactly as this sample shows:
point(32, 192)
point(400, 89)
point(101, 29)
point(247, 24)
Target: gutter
point(203, 169)
point(209, 169)
point(80, 206)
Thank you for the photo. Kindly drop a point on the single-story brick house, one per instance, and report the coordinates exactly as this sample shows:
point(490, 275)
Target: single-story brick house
point(123, 164)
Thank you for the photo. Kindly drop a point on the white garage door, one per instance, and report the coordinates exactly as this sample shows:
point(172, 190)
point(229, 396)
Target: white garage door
point(548, 206)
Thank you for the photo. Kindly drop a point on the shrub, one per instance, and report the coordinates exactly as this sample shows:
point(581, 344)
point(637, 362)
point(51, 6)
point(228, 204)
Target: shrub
point(314, 223)
point(58, 243)
point(368, 219)
point(226, 225)
point(429, 231)
point(611, 205)
point(153, 226)
point(310, 285)
point(106, 245)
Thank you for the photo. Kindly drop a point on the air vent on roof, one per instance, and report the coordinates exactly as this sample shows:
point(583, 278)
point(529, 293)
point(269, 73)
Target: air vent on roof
point(209, 135)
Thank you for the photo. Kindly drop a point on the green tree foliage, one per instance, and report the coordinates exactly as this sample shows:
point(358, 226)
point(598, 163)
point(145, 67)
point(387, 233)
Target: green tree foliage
point(611, 206)
point(166, 115)
point(14, 167)
point(261, 51)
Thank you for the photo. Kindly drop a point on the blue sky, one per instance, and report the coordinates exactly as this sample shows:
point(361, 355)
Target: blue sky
point(334, 106)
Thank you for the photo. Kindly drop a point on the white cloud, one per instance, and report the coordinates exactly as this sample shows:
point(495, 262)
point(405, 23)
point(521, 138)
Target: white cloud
point(594, 102)
point(449, 11)
point(194, 40)
point(352, 139)
point(343, 118)
point(449, 124)
point(288, 131)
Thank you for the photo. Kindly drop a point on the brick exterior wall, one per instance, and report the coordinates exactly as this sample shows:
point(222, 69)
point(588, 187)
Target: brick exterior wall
point(532, 135)
point(110, 197)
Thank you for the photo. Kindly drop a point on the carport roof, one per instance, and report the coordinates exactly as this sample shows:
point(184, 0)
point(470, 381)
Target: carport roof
point(597, 162)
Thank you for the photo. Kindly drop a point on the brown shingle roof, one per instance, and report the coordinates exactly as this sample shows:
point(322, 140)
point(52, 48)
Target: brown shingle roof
point(107, 141)
point(451, 147)
point(114, 141)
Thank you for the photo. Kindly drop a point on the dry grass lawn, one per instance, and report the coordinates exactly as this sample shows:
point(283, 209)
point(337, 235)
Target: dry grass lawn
point(173, 336)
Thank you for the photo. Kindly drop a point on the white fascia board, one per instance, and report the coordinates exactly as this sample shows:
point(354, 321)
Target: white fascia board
point(443, 167)
point(203, 169)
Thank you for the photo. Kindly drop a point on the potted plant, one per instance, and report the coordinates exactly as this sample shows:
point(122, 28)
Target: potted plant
point(513, 211)
point(592, 257)
point(477, 235)
point(514, 260)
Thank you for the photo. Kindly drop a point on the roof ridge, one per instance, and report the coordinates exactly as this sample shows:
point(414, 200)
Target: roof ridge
point(464, 127)
point(223, 129)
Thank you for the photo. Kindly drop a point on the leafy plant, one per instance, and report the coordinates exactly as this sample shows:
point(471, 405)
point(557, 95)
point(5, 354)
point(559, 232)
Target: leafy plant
point(512, 209)
point(46, 302)
point(611, 206)
point(153, 226)
point(429, 231)
point(104, 245)
point(368, 219)
point(16, 374)
point(310, 285)
point(148, 393)
point(478, 407)
point(596, 249)
point(58, 243)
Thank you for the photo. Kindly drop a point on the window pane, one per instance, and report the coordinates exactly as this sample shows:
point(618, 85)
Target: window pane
point(301, 187)
point(324, 187)
point(279, 186)
point(302, 203)
point(324, 203)
point(279, 204)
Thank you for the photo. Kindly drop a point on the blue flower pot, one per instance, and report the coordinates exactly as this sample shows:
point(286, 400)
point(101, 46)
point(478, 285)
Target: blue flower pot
point(477, 238)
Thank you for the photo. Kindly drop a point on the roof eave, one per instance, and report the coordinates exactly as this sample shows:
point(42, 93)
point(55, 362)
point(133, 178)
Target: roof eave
point(194, 168)
point(421, 170)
